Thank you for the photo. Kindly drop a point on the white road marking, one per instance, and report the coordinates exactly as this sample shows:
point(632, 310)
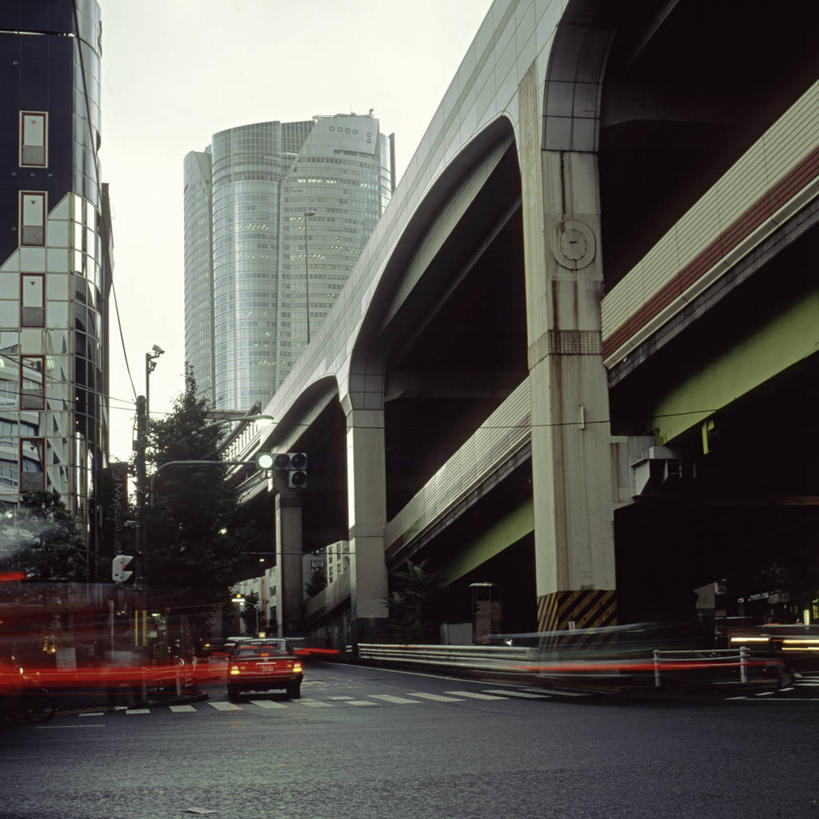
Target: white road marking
point(361, 702)
point(475, 695)
point(341, 698)
point(558, 692)
point(396, 700)
point(225, 706)
point(313, 703)
point(526, 695)
point(93, 714)
point(418, 674)
point(131, 711)
point(268, 704)
point(434, 697)
point(52, 727)
point(182, 709)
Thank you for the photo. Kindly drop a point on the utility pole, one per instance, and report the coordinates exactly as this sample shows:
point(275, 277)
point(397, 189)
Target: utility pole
point(139, 448)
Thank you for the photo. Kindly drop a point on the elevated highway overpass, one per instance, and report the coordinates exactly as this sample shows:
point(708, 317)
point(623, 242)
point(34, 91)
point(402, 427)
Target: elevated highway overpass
point(577, 358)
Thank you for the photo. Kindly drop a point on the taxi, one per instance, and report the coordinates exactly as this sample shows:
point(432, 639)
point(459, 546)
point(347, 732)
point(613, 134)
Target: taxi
point(264, 664)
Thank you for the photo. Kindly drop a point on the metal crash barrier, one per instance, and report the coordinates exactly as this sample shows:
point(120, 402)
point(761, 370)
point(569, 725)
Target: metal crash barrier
point(625, 663)
point(464, 658)
point(711, 660)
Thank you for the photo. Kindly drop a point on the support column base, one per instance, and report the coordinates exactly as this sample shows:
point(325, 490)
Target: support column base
point(576, 609)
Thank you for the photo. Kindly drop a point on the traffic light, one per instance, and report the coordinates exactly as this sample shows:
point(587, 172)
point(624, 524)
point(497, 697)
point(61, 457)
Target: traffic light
point(119, 574)
point(297, 469)
point(294, 463)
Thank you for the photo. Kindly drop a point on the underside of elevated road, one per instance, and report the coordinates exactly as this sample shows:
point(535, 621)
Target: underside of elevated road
point(493, 292)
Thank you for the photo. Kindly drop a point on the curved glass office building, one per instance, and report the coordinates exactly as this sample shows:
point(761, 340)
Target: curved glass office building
point(55, 268)
point(276, 216)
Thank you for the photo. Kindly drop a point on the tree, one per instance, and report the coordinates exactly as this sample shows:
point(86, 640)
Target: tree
point(412, 603)
point(193, 530)
point(42, 539)
point(251, 616)
point(317, 581)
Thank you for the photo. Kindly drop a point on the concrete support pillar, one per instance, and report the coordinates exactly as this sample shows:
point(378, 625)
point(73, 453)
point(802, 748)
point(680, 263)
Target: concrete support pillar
point(366, 489)
point(289, 572)
point(573, 484)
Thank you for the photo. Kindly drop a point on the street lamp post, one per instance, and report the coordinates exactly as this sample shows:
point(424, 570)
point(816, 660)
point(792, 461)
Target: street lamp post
point(150, 366)
point(143, 410)
point(307, 215)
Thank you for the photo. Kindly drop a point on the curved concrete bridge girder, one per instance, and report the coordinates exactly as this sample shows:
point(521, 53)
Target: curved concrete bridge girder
point(539, 73)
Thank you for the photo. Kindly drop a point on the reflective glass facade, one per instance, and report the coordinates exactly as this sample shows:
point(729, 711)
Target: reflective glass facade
point(291, 207)
point(54, 257)
point(198, 257)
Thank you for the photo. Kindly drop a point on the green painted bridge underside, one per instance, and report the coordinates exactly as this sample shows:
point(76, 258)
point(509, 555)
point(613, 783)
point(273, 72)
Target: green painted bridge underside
point(786, 339)
point(508, 530)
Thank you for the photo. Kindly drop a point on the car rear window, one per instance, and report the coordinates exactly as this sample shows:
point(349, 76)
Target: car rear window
point(260, 651)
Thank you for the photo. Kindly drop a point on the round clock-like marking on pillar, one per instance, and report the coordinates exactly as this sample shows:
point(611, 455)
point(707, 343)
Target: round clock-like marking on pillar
point(573, 244)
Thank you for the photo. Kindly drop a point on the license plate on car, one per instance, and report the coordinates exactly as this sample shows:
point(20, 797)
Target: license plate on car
point(266, 666)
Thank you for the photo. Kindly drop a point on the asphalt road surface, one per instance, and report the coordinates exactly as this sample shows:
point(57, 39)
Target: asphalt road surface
point(365, 742)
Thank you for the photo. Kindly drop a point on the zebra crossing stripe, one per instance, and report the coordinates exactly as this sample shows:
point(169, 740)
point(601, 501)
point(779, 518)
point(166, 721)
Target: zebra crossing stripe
point(131, 711)
point(525, 695)
point(558, 692)
point(268, 704)
point(361, 702)
point(434, 697)
point(475, 695)
point(225, 706)
point(392, 698)
point(182, 709)
point(313, 703)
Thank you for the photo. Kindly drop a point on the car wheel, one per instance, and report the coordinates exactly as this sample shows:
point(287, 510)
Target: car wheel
point(294, 691)
point(39, 707)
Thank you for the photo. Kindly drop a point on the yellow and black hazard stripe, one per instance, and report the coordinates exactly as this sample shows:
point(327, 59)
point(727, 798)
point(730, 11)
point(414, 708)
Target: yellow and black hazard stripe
point(575, 615)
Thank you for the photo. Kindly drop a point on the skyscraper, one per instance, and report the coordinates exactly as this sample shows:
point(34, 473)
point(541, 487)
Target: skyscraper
point(276, 216)
point(55, 268)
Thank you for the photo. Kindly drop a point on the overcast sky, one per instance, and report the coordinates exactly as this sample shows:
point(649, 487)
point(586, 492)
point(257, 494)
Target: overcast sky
point(176, 72)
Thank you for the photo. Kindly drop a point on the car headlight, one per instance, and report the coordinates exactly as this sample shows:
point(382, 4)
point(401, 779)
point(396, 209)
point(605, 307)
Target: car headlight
point(234, 670)
point(297, 667)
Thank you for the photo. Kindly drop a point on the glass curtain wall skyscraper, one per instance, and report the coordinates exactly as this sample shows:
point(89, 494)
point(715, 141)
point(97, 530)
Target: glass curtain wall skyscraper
point(276, 216)
point(55, 262)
